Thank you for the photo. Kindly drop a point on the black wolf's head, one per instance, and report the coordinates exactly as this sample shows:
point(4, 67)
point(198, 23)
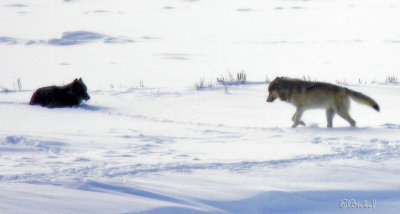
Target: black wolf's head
point(79, 89)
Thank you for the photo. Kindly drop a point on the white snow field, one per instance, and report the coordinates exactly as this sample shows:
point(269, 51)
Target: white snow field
point(148, 142)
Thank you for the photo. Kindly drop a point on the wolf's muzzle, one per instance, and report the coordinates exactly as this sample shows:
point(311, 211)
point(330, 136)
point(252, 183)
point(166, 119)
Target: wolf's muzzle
point(270, 99)
point(87, 97)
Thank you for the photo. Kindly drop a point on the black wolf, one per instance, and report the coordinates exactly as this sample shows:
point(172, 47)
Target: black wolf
point(61, 96)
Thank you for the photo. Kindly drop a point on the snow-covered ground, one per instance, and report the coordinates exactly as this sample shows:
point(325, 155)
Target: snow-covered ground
point(148, 142)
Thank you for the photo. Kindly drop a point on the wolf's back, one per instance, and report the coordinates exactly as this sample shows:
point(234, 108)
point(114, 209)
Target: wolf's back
point(363, 99)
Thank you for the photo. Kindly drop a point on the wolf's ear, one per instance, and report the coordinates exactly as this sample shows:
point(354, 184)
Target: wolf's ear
point(76, 80)
point(278, 83)
point(278, 79)
point(80, 80)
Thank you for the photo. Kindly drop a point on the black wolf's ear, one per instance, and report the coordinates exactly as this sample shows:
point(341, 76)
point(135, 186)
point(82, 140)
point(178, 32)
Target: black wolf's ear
point(80, 80)
point(76, 80)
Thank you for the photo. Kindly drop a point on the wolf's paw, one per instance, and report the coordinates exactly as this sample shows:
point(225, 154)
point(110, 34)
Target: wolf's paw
point(295, 124)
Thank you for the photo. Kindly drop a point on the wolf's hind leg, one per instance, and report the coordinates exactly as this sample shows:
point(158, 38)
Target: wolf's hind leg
point(345, 115)
point(342, 109)
point(330, 113)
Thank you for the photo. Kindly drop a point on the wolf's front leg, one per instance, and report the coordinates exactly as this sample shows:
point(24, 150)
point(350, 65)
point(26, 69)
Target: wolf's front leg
point(300, 121)
point(297, 117)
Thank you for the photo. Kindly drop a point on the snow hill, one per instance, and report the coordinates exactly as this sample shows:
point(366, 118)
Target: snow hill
point(149, 142)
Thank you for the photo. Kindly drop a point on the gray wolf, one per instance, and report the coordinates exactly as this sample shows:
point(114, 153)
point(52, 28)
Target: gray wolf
point(308, 95)
point(61, 96)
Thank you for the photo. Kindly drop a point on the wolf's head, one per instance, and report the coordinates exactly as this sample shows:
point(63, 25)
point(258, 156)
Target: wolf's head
point(277, 88)
point(79, 89)
point(273, 90)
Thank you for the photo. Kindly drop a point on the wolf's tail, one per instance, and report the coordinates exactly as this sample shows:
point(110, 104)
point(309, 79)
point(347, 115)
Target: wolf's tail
point(363, 99)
